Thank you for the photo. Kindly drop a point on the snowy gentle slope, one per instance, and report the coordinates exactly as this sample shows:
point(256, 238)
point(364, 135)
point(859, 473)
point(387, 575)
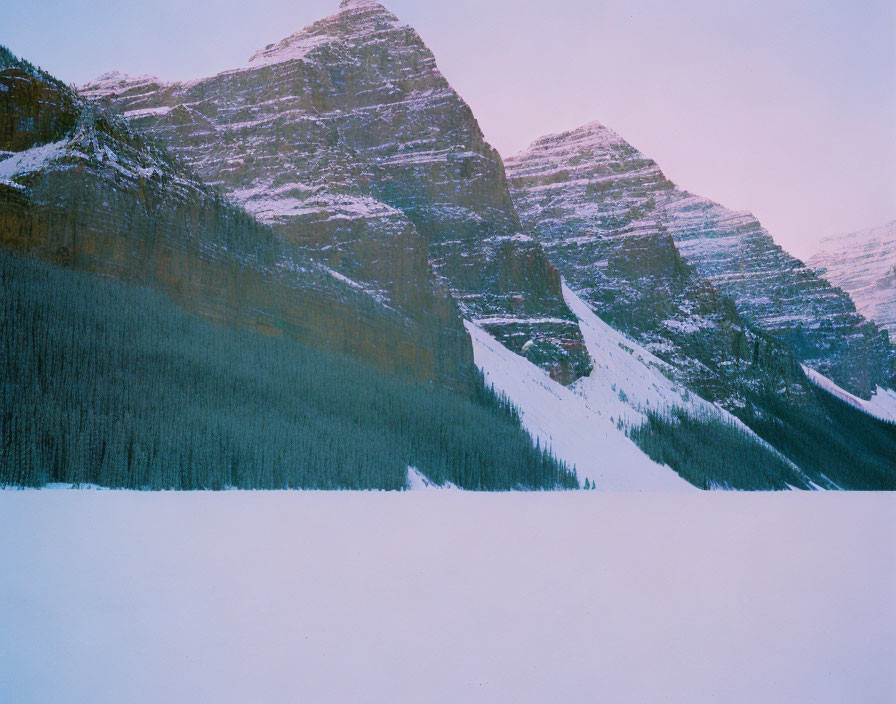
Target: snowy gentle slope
point(882, 403)
point(584, 423)
point(110, 597)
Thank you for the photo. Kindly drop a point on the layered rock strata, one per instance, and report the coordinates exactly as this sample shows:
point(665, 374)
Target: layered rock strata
point(612, 220)
point(346, 139)
point(82, 188)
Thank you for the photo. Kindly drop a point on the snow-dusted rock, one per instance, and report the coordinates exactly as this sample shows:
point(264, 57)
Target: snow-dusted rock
point(348, 140)
point(83, 188)
point(588, 189)
point(581, 192)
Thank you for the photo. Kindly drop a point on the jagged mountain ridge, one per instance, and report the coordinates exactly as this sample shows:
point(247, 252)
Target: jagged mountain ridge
point(864, 265)
point(348, 141)
point(368, 203)
point(82, 188)
point(624, 192)
point(631, 272)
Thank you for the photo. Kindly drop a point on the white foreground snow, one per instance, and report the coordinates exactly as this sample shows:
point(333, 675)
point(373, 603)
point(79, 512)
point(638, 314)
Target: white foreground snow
point(441, 596)
point(882, 403)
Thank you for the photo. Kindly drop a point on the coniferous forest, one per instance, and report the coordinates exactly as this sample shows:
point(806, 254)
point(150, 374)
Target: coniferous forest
point(109, 384)
point(834, 447)
point(713, 454)
point(836, 444)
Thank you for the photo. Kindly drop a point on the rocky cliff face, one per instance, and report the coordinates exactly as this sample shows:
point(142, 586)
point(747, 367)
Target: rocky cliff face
point(598, 230)
point(82, 188)
point(347, 140)
point(596, 191)
point(864, 265)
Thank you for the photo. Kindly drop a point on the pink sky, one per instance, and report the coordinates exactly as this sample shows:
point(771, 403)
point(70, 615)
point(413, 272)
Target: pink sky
point(783, 107)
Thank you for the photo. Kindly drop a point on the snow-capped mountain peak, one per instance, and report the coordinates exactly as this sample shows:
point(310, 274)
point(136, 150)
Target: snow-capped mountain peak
point(591, 135)
point(588, 186)
point(355, 19)
point(116, 81)
point(318, 125)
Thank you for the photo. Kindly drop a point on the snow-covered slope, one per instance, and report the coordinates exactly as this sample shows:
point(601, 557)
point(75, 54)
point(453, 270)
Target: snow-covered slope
point(864, 265)
point(881, 405)
point(576, 428)
point(417, 481)
point(627, 380)
point(585, 423)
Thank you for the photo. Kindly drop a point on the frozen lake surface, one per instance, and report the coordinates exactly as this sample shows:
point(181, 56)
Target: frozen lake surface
point(444, 596)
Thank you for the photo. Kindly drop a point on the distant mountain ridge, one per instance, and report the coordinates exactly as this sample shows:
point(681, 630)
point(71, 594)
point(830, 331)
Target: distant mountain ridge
point(574, 191)
point(110, 378)
point(344, 133)
point(863, 264)
point(709, 293)
point(337, 191)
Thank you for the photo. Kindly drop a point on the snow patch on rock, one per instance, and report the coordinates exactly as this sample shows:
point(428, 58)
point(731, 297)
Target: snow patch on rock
point(33, 159)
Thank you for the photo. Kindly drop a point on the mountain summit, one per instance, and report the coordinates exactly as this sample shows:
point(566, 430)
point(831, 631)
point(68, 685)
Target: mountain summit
point(580, 191)
point(590, 185)
point(349, 141)
point(365, 17)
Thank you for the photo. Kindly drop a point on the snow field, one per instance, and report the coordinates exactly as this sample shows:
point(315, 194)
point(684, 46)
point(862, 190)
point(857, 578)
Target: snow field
point(443, 596)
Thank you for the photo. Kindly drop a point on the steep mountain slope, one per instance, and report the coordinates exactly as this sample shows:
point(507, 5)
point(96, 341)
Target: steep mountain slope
point(349, 142)
point(591, 189)
point(596, 229)
point(84, 189)
point(864, 265)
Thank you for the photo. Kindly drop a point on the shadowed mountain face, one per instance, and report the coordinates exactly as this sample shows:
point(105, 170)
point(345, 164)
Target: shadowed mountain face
point(347, 140)
point(613, 223)
point(83, 189)
point(864, 265)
